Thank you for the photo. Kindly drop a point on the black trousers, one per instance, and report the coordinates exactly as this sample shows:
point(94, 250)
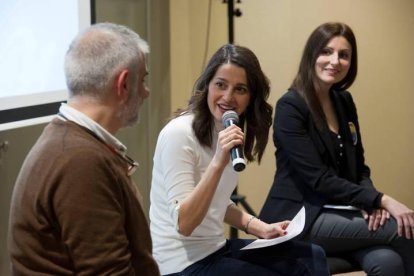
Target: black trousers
point(288, 258)
point(381, 252)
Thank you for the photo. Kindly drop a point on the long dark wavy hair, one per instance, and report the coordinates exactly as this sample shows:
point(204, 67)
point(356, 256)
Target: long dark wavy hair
point(304, 82)
point(257, 118)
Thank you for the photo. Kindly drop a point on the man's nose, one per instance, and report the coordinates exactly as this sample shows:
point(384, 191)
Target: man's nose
point(146, 92)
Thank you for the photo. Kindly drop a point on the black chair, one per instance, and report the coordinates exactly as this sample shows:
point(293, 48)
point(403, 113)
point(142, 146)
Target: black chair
point(342, 264)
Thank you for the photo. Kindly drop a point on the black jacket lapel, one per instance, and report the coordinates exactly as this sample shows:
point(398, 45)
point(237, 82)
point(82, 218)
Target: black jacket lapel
point(342, 111)
point(327, 140)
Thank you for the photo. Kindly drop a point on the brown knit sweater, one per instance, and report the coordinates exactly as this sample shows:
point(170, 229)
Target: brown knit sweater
point(75, 211)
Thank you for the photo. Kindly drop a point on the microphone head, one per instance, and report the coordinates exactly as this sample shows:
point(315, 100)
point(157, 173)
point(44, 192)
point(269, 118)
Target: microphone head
point(239, 164)
point(230, 115)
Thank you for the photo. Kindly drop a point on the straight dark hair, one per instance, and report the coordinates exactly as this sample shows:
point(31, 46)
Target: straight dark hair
point(304, 82)
point(257, 118)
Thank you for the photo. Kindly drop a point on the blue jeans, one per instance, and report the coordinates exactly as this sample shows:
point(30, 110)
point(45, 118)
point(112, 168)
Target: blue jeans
point(379, 252)
point(288, 258)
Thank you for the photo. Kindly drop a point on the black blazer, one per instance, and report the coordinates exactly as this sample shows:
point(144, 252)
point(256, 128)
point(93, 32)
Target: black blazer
point(307, 172)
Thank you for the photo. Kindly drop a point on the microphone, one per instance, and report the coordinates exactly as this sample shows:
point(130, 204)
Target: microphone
point(236, 153)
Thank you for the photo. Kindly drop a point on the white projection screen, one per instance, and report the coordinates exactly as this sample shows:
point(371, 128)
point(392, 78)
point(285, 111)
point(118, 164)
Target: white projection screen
point(34, 38)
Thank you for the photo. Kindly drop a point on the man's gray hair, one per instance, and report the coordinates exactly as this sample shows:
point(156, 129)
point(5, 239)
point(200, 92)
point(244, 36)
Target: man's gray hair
point(98, 54)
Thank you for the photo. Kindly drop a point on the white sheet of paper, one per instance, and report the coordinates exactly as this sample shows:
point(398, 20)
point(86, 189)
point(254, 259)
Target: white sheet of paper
point(294, 228)
point(340, 207)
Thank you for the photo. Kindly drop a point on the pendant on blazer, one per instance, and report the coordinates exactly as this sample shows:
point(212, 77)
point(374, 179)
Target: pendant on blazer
point(354, 134)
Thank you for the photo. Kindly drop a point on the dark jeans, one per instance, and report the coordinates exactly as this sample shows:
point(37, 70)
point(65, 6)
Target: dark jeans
point(288, 258)
point(379, 252)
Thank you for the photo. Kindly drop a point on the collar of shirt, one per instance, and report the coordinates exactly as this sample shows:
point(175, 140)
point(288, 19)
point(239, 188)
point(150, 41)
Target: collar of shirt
point(79, 118)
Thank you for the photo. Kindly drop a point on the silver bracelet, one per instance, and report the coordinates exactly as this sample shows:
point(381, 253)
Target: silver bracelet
point(247, 224)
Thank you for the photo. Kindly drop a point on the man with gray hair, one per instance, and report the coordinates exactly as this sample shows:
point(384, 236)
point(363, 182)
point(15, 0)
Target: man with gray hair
point(75, 209)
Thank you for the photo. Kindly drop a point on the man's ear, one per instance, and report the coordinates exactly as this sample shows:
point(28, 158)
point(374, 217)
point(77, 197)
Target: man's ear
point(122, 85)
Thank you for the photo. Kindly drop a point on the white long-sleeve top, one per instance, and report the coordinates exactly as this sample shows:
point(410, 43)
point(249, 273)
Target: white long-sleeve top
point(179, 163)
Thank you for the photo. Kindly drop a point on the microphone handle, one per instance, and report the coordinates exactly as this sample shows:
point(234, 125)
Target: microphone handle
point(236, 153)
point(237, 158)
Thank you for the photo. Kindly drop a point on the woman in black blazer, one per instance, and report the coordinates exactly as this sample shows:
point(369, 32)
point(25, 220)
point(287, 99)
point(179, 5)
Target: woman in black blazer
point(320, 163)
